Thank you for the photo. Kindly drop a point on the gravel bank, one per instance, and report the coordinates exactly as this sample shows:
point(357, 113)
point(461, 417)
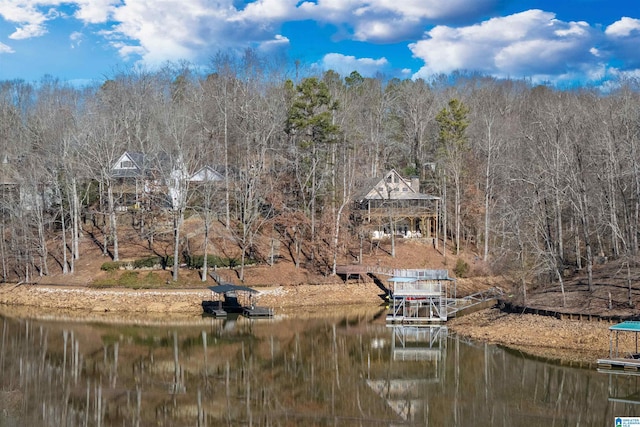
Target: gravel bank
point(570, 341)
point(179, 301)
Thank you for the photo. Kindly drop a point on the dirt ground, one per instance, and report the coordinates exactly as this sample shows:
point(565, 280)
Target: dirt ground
point(615, 291)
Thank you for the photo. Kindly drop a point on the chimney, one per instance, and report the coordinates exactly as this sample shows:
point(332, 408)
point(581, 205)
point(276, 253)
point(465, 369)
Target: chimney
point(415, 184)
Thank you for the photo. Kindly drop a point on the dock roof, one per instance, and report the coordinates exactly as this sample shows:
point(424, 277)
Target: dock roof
point(230, 287)
point(629, 326)
point(403, 279)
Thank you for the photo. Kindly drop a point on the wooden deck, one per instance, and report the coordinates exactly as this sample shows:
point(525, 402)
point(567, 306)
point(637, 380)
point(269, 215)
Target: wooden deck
point(257, 311)
point(214, 308)
point(619, 364)
point(217, 312)
point(412, 320)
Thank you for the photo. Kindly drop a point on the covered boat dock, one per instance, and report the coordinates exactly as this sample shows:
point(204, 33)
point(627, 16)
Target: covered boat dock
point(419, 296)
point(230, 298)
point(621, 360)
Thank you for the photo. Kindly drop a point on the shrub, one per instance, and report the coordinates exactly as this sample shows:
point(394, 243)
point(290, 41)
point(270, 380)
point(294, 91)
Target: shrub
point(167, 261)
point(110, 266)
point(196, 261)
point(461, 269)
point(149, 262)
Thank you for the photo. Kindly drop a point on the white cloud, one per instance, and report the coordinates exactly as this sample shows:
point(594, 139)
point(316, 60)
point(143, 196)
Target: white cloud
point(376, 30)
point(388, 21)
point(28, 31)
point(528, 44)
point(574, 29)
point(344, 65)
point(407, 9)
point(275, 10)
point(169, 30)
point(5, 49)
point(623, 27)
point(76, 38)
point(432, 9)
point(32, 16)
point(623, 39)
point(95, 11)
point(30, 20)
point(127, 51)
point(277, 43)
point(20, 11)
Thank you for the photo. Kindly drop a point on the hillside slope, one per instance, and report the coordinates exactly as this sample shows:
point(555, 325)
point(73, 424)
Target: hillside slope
point(616, 290)
point(409, 254)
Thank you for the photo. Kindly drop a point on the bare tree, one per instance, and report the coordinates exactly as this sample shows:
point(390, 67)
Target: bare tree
point(100, 146)
point(178, 134)
point(492, 124)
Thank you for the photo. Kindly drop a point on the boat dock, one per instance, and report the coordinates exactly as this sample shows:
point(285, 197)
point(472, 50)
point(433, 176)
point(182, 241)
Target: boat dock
point(419, 295)
point(627, 365)
point(230, 298)
point(621, 361)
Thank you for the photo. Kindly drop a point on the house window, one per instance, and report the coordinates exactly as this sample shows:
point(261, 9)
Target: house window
point(126, 164)
point(381, 189)
point(405, 189)
point(390, 179)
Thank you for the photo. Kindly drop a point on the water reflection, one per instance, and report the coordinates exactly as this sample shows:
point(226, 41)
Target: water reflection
point(423, 346)
point(334, 370)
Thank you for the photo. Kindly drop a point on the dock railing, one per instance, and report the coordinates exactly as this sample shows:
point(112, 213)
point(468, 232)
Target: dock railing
point(418, 288)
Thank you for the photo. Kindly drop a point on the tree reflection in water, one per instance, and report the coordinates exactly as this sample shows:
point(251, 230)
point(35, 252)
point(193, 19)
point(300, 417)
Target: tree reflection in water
point(333, 370)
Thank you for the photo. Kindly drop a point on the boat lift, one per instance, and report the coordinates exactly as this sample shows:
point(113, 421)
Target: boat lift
point(420, 296)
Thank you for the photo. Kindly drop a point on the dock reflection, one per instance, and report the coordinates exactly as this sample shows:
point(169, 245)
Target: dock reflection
point(426, 347)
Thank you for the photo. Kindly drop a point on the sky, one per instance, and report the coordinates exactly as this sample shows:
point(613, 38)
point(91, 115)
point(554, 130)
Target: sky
point(561, 42)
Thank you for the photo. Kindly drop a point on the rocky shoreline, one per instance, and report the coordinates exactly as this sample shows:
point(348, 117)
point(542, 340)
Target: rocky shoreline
point(569, 341)
point(579, 342)
point(179, 300)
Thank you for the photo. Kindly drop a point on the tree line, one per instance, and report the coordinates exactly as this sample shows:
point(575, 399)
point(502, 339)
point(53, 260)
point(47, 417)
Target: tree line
point(535, 179)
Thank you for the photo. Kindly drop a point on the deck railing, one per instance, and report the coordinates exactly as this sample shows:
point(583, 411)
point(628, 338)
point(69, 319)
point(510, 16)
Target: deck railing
point(420, 288)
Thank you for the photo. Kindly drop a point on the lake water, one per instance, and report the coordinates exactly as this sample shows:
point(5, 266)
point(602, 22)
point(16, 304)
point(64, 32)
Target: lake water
point(324, 370)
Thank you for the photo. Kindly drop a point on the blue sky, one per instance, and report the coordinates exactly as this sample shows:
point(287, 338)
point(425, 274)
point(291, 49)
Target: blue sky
point(559, 41)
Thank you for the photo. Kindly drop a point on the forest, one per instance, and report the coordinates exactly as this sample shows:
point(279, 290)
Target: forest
point(534, 180)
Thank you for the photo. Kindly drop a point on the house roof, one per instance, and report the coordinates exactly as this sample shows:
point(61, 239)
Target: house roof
point(378, 189)
point(206, 174)
point(141, 164)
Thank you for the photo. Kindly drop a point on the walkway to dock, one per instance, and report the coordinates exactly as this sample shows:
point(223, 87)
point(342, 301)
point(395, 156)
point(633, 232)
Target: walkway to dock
point(362, 270)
